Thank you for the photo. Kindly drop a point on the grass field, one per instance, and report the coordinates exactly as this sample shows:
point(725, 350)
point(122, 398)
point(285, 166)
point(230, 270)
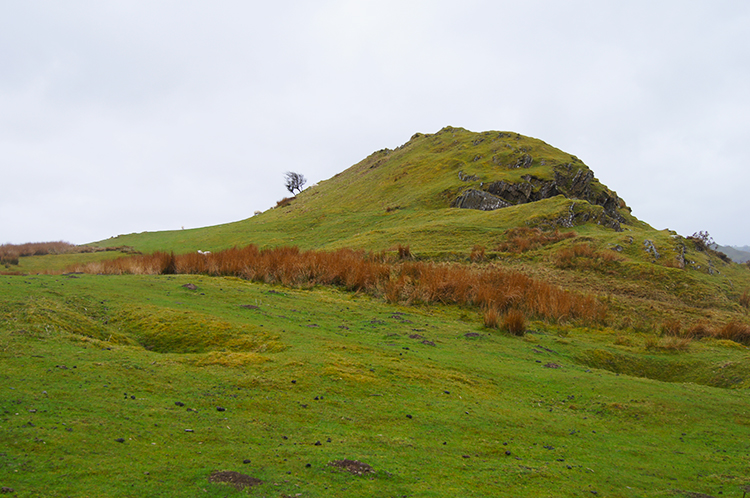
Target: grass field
point(290, 380)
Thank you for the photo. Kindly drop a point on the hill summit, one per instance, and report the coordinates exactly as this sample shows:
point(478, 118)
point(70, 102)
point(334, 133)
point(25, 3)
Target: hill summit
point(494, 170)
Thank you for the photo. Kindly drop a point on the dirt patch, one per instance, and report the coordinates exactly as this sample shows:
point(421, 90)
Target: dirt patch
point(690, 494)
point(551, 365)
point(190, 286)
point(239, 481)
point(353, 467)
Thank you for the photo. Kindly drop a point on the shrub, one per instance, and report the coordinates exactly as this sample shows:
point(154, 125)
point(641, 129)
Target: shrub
point(9, 259)
point(9, 253)
point(284, 202)
point(702, 241)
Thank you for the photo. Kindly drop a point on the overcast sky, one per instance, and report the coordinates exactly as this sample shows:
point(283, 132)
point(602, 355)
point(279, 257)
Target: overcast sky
point(130, 116)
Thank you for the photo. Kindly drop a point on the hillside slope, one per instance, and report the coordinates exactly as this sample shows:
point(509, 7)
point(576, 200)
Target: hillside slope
point(415, 195)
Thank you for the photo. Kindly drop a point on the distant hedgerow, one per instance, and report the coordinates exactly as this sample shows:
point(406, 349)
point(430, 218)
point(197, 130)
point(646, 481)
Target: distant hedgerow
point(9, 253)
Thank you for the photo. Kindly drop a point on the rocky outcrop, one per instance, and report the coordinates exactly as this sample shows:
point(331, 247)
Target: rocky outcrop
point(573, 183)
point(479, 199)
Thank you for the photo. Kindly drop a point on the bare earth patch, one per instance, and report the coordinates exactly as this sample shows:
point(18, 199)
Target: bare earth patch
point(353, 467)
point(239, 481)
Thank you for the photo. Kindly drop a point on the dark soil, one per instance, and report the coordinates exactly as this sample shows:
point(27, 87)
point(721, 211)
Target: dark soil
point(239, 481)
point(353, 467)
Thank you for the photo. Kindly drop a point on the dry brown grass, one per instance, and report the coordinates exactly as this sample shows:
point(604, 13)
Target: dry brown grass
point(9, 253)
point(395, 280)
point(284, 202)
point(669, 343)
point(403, 252)
point(477, 254)
point(514, 322)
point(734, 331)
point(522, 239)
point(584, 256)
point(491, 318)
point(699, 330)
point(672, 328)
point(745, 299)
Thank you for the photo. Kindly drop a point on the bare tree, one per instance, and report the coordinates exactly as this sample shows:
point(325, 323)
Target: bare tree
point(294, 181)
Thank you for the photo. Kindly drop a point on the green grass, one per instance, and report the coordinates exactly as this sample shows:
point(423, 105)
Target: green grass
point(432, 420)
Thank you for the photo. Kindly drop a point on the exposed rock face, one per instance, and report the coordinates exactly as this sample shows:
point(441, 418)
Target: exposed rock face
point(573, 184)
point(479, 199)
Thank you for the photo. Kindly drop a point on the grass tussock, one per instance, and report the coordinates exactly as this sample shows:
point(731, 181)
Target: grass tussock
point(491, 318)
point(731, 331)
point(672, 328)
point(403, 252)
point(745, 299)
point(477, 254)
point(395, 279)
point(522, 239)
point(734, 331)
point(514, 322)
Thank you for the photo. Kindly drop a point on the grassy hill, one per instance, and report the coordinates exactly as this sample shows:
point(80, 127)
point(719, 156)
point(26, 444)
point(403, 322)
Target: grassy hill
point(403, 196)
point(166, 384)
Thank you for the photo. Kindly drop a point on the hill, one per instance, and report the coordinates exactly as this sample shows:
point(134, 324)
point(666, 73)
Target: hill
point(414, 195)
point(448, 195)
point(738, 255)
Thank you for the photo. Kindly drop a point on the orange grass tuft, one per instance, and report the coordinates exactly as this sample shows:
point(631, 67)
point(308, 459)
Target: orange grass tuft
point(491, 318)
point(515, 322)
point(735, 331)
